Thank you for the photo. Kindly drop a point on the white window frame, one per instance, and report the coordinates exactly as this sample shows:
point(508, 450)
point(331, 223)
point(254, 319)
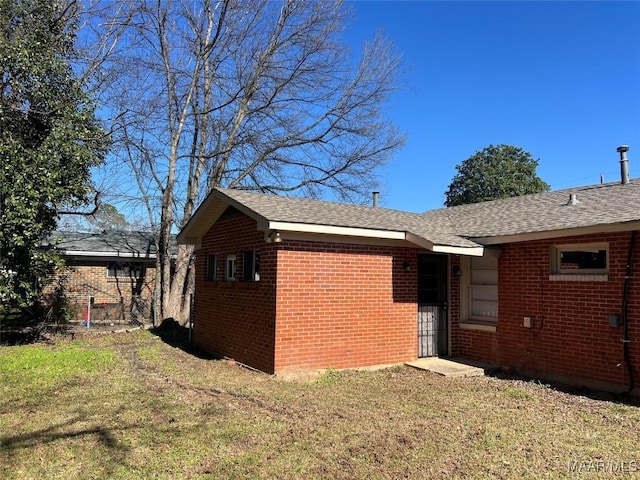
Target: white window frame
point(468, 319)
point(230, 268)
point(558, 250)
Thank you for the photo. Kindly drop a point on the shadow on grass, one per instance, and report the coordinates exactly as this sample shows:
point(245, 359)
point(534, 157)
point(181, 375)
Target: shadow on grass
point(174, 334)
point(54, 433)
point(111, 453)
point(623, 398)
point(22, 330)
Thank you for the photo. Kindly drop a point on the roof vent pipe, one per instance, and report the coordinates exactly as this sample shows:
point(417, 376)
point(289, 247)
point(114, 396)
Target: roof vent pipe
point(624, 164)
point(375, 199)
point(573, 199)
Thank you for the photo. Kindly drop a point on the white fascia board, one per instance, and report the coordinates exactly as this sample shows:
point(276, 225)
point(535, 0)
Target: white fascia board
point(333, 230)
point(81, 253)
point(419, 241)
point(375, 234)
point(318, 237)
point(549, 234)
point(468, 251)
point(450, 249)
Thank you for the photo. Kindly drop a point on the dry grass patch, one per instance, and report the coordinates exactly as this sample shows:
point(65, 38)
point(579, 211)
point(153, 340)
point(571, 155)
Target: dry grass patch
point(131, 406)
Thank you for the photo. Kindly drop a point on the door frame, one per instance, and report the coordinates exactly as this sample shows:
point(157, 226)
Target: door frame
point(447, 317)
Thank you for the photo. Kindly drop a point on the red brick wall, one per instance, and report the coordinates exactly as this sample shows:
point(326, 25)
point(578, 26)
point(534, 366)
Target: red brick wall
point(337, 305)
point(84, 278)
point(571, 338)
point(236, 319)
point(344, 306)
point(454, 306)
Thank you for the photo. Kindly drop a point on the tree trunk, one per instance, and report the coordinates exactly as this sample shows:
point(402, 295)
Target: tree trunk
point(257, 95)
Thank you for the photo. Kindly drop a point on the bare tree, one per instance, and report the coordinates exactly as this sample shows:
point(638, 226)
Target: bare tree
point(247, 94)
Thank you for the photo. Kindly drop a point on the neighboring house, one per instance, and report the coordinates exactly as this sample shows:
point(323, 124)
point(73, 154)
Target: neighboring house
point(537, 283)
point(109, 270)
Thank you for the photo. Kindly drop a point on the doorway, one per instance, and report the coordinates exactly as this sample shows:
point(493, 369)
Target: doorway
point(433, 307)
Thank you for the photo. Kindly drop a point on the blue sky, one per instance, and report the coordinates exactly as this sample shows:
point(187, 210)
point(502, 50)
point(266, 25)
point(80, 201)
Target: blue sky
point(559, 79)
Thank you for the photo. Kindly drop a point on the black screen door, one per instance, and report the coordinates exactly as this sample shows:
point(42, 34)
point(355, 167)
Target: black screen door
point(433, 332)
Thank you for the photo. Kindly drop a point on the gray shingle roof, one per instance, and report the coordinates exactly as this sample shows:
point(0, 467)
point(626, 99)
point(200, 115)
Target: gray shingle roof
point(106, 243)
point(604, 204)
point(465, 226)
point(316, 212)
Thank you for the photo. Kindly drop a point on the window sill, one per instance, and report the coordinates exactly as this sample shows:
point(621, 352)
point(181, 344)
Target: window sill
point(585, 277)
point(478, 325)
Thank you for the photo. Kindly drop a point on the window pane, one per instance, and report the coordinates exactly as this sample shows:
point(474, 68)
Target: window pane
point(117, 270)
point(483, 288)
point(485, 309)
point(247, 266)
point(484, 293)
point(251, 265)
point(212, 268)
point(484, 277)
point(231, 267)
point(256, 265)
point(484, 263)
point(583, 260)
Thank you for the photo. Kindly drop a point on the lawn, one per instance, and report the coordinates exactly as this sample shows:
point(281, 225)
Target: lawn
point(131, 406)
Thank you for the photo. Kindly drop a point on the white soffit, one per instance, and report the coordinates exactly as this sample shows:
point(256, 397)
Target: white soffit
point(81, 253)
point(366, 233)
point(468, 251)
point(333, 230)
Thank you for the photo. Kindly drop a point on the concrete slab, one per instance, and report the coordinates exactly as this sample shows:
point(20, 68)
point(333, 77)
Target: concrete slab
point(452, 367)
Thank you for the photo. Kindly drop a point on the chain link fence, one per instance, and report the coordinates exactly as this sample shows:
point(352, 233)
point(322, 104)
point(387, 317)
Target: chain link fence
point(128, 311)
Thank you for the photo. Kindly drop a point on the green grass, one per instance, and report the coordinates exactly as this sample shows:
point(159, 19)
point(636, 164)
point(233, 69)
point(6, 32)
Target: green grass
point(131, 406)
point(517, 393)
point(42, 366)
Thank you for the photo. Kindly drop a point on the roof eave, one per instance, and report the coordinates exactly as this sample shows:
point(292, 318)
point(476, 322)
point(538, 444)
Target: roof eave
point(566, 232)
point(85, 253)
point(190, 240)
point(456, 250)
point(474, 250)
point(293, 231)
point(335, 230)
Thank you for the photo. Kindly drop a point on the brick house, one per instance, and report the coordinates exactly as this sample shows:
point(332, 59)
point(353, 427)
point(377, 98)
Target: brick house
point(538, 283)
point(109, 270)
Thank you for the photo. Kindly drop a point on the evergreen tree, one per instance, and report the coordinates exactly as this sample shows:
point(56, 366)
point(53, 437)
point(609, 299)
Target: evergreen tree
point(496, 172)
point(49, 139)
